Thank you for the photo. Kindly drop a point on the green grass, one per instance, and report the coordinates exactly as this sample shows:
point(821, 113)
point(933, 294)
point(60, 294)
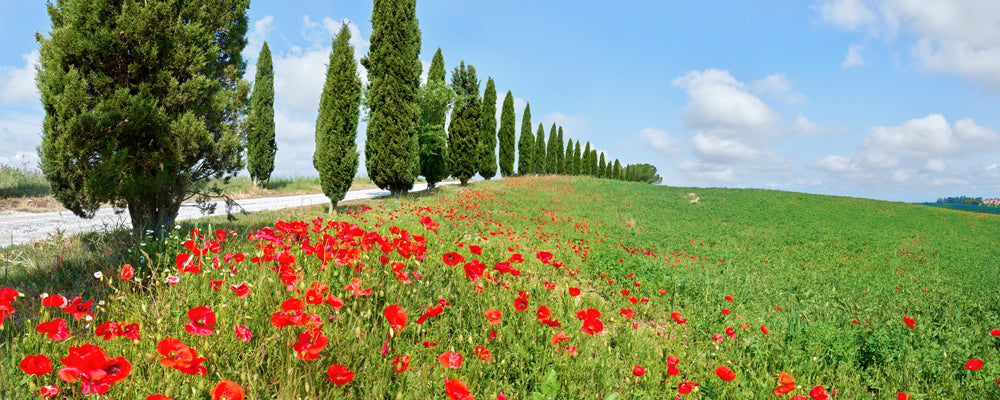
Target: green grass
point(22, 182)
point(805, 266)
point(966, 207)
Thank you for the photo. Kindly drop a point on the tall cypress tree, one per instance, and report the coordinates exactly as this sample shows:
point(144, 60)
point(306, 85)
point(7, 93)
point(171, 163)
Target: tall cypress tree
point(539, 162)
point(488, 132)
point(435, 99)
point(607, 169)
point(577, 165)
point(593, 163)
point(601, 166)
point(336, 155)
point(551, 155)
point(391, 146)
point(261, 146)
point(506, 136)
point(616, 172)
point(560, 156)
point(464, 129)
point(526, 145)
point(585, 161)
point(570, 165)
point(144, 103)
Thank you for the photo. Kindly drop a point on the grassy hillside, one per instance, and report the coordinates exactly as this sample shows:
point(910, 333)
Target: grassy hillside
point(755, 282)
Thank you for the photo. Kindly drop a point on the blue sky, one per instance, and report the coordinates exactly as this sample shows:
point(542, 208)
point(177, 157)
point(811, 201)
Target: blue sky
point(887, 99)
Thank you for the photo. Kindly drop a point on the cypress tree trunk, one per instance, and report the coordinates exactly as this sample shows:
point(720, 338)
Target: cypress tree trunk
point(336, 155)
point(525, 146)
point(391, 146)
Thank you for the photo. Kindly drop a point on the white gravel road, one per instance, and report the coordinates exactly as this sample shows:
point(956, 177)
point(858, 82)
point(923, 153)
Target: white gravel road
point(23, 227)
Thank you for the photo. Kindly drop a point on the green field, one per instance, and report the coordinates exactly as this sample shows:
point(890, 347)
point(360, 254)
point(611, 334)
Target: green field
point(820, 286)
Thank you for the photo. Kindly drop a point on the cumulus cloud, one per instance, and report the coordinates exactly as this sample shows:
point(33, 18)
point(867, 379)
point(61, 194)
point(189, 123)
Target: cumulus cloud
point(853, 57)
point(17, 84)
point(718, 101)
point(806, 127)
point(774, 83)
point(709, 171)
point(933, 136)
point(22, 134)
point(661, 142)
point(959, 37)
point(722, 150)
point(836, 163)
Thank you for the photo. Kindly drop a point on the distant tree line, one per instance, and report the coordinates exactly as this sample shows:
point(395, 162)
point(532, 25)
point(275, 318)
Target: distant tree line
point(960, 200)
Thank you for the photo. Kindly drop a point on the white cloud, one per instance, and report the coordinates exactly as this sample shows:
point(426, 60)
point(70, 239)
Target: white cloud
point(722, 150)
point(806, 127)
point(853, 57)
point(932, 136)
point(661, 142)
point(935, 165)
point(257, 37)
point(774, 83)
point(836, 163)
point(22, 134)
point(960, 37)
point(719, 101)
point(709, 171)
point(18, 84)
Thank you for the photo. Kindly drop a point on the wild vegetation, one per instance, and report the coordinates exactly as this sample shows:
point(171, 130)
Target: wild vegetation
point(567, 287)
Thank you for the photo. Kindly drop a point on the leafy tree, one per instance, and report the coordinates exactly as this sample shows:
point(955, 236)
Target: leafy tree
point(577, 165)
point(539, 161)
point(560, 156)
point(506, 136)
point(552, 152)
point(526, 145)
point(391, 148)
point(644, 173)
point(143, 104)
point(616, 173)
point(601, 166)
point(607, 169)
point(593, 163)
point(569, 164)
point(585, 161)
point(336, 155)
point(435, 100)
point(261, 146)
point(464, 129)
point(488, 132)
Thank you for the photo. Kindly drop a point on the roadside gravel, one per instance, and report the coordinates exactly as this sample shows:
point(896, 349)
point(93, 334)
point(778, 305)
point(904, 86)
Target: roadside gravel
point(22, 227)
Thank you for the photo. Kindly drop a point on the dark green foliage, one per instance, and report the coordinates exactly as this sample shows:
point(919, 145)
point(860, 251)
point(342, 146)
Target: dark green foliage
point(577, 165)
point(261, 146)
point(593, 163)
point(506, 136)
point(391, 146)
point(143, 103)
point(526, 145)
point(552, 152)
point(601, 167)
point(644, 173)
point(616, 172)
point(585, 161)
point(336, 155)
point(487, 148)
point(539, 161)
point(435, 99)
point(608, 170)
point(464, 129)
point(561, 157)
point(568, 158)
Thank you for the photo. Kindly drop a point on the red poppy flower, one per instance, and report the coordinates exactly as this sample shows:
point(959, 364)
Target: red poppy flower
point(819, 393)
point(559, 336)
point(493, 316)
point(241, 290)
point(450, 359)
point(108, 330)
point(55, 330)
point(36, 365)
point(787, 384)
point(91, 366)
point(55, 301)
point(457, 390)
point(672, 366)
point(243, 333)
point(543, 313)
point(995, 332)
point(51, 391)
point(396, 316)
point(628, 313)
point(592, 326)
point(685, 387)
point(429, 224)
point(521, 304)
point(729, 298)
point(476, 250)
point(797, 397)
point(201, 323)
point(179, 356)
point(910, 322)
point(214, 284)
point(638, 371)
point(677, 317)
point(574, 291)
point(474, 270)
point(429, 344)
point(763, 328)
point(334, 302)
point(544, 256)
point(724, 373)
point(974, 364)
point(127, 272)
point(492, 335)
point(902, 396)
point(453, 258)
point(79, 309)
point(731, 333)
point(589, 313)
point(401, 363)
point(292, 314)
point(483, 354)
point(725, 311)
point(431, 312)
point(339, 374)
point(516, 258)
point(310, 344)
point(227, 390)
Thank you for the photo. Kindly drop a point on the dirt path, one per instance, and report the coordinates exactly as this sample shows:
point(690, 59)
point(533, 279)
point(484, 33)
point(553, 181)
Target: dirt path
point(23, 227)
